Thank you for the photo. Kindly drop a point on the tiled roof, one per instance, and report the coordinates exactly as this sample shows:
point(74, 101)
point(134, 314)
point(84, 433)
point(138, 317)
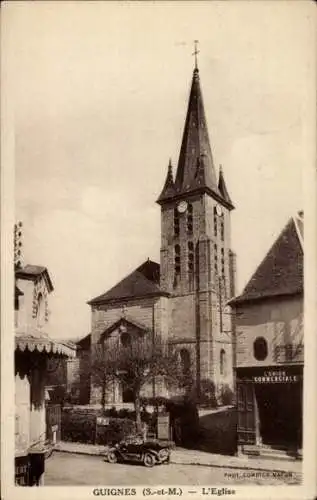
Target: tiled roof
point(84, 341)
point(31, 269)
point(18, 292)
point(143, 281)
point(31, 272)
point(280, 272)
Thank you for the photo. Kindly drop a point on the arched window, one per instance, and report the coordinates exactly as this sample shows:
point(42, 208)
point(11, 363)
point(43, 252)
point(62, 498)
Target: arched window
point(177, 259)
point(223, 362)
point(40, 315)
point(216, 258)
point(215, 222)
point(176, 223)
point(222, 228)
point(190, 219)
point(223, 262)
point(185, 361)
point(125, 339)
point(190, 257)
point(260, 348)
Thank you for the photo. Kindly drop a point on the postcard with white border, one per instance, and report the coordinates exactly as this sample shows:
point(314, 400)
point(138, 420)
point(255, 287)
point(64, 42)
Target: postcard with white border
point(158, 169)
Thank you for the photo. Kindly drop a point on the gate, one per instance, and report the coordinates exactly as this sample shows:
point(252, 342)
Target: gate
point(53, 422)
point(163, 426)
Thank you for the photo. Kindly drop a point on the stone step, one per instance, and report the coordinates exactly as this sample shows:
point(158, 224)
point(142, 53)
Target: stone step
point(271, 453)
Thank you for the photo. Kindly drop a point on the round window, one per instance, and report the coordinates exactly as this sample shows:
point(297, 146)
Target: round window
point(260, 349)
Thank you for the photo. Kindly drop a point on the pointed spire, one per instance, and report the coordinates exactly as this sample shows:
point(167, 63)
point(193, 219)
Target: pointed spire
point(223, 188)
point(195, 171)
point(168, 190)
point(195, 53)
point(195, 166)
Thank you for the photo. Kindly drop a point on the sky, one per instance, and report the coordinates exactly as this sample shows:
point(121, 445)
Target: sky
point(100, 93)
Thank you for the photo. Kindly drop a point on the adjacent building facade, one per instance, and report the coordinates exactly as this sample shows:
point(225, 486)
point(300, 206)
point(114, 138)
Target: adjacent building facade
point(183, 298)
point(270, 348)
point(33, 350)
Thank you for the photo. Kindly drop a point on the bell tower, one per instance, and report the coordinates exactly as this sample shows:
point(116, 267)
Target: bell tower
point(196, 257)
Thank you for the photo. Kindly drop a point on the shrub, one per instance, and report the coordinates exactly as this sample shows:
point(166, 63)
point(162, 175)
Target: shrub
point(124, 413)
point(57, 395)
point(208, 393)
point(118, 429)
point(113, 412)
point(78, 426)
point(146, 416)
point(185, 420)
point(226, 395)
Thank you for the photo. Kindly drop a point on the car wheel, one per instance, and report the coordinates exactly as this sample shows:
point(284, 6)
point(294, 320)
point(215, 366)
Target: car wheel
point(148, 460)
point(112, 457)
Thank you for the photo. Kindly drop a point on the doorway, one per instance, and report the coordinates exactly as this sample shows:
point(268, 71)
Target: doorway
point(127, 394)
point(280, 414)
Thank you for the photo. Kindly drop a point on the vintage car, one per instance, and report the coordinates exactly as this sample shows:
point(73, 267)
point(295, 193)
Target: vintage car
point(138, 450)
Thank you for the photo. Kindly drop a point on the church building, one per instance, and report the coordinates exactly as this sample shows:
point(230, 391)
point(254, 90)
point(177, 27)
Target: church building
point(184, 298)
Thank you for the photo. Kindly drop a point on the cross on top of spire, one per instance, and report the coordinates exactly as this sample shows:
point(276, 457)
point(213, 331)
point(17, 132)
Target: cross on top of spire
point(195, 53)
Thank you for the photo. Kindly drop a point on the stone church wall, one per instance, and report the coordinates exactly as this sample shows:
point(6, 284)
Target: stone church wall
point(142, 311)
point(182, 317)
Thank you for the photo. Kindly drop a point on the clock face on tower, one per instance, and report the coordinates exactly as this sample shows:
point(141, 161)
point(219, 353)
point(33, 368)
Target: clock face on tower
point(182, 207)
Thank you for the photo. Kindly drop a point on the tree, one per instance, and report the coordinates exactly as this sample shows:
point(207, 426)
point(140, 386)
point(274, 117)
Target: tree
point(134, 363)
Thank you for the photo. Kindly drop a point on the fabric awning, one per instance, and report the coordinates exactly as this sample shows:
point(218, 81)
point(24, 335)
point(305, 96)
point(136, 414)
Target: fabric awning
point(42, 343)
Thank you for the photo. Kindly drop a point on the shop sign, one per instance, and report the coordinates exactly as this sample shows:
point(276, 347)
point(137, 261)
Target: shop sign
point(275, 377)
point(103, 421)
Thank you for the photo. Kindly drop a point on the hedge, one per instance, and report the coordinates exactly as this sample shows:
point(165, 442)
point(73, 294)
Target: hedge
point(80, 425)
point(118, 429)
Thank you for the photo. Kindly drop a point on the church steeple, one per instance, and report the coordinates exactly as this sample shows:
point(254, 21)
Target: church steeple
point(195, 170)
point(195, 166)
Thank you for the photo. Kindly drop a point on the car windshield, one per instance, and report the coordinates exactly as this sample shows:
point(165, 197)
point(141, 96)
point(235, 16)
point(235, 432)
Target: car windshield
point(132, 440)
